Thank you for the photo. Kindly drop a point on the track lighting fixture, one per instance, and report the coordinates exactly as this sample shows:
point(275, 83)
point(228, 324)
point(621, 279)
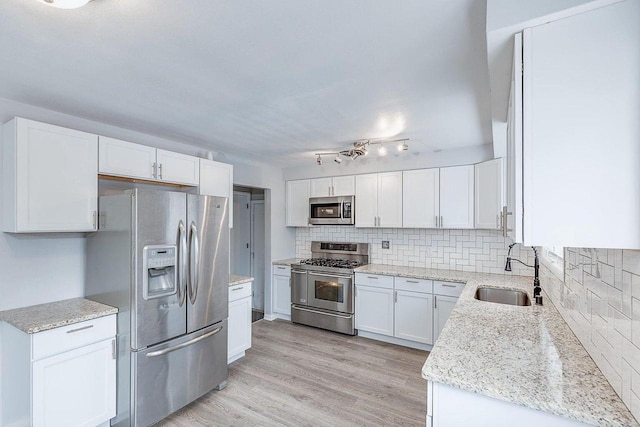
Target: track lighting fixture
point(360, 149)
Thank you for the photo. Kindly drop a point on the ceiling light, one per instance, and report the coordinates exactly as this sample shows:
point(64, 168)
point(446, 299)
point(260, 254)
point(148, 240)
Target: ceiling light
point(382, 151)
point(319, 160)
point(403, 147)
point(338, 160)
point(65, 4)
point(359, 148)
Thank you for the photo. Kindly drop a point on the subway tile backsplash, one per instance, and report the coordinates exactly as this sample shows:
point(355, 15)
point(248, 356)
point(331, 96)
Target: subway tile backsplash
point(482, 251)
point(598, 295)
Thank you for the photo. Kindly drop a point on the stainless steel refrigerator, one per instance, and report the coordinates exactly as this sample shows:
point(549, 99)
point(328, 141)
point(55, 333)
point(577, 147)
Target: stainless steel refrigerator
point(162, 258)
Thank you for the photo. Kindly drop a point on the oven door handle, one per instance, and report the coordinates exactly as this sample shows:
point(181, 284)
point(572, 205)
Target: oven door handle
point(329, 275)
point(298, 272)
point(323, 312)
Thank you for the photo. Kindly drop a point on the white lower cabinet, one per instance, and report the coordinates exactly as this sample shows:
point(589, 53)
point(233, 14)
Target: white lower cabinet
point(281, 290)
point(60, 377)
point(396, 307)
point(443, 306)
point(414, 316)
point(374, 310)
point(239, 323)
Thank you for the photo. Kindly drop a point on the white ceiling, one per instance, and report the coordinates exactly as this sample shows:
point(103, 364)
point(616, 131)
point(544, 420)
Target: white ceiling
point(274, 80)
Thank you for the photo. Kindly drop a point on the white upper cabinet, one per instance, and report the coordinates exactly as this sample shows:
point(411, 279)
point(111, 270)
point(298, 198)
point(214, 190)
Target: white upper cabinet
point(456, 197)
point(216, 179)
point(581, 144)
point(488, 194)
point(344, 186)
point(379, 200)
point(122, 158)
point(420, 198)
point(297, 209)
point(177, 168)
point(130, 160)
point(50, 178)
point(335, 186)
point(320, 187)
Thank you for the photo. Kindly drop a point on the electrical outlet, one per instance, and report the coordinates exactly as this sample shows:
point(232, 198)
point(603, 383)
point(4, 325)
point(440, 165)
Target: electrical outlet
point(385, 244)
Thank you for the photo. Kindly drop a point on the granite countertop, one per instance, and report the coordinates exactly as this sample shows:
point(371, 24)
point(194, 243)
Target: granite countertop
point(524, 355)
point(235, 279)
point(288, 261)
point(42, 317)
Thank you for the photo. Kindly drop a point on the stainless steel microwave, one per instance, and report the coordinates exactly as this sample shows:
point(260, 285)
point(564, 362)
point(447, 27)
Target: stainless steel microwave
point(332, 210)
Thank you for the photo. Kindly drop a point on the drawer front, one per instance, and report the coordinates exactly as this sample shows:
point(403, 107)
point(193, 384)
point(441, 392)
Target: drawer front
point(453, 289)
point(414, 285)
point(65, 338)
point(376, 280)
point(282, 270)
point(239, 291)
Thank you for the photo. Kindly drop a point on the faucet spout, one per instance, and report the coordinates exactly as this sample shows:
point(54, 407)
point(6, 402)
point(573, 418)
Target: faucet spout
point(536, 268)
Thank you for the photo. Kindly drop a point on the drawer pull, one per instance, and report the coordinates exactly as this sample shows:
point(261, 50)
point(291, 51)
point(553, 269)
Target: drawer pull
point(70, 331)
point(372, 277)
point(412, 281)
point(281, 268)
point(449, 286)
point(237, 289)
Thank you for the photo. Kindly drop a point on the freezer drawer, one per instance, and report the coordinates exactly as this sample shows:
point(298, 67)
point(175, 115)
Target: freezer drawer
point(171, 375)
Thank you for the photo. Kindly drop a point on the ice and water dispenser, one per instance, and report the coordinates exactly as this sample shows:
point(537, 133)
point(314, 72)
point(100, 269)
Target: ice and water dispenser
point(159, 271)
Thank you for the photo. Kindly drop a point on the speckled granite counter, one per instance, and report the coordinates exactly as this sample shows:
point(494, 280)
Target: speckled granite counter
point(42, 317)
point(235, 279)
point(524, 355)
point(288, 261)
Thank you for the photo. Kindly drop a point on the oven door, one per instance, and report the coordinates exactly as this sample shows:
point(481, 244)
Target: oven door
point(330, 291)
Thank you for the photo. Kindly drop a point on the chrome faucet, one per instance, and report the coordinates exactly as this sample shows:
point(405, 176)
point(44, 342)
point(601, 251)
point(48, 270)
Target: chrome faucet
point(536, 266)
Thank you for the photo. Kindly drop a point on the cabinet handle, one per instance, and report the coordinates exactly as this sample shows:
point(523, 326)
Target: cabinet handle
point(70, 331)
point(379, 222)
point(113, 349)
point(237, 289)
point(395, 296)
point(154, 168)
point(436, 221)
point(412, 281)
point(329, 190)
point(441, 226)
point(372, 277)
point(160, 168)
point(435, 301)
point(95, 214)
point(444, 285)
point(498, 221)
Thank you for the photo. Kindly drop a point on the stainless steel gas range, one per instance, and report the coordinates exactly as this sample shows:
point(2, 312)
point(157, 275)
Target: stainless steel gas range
point(322, 291)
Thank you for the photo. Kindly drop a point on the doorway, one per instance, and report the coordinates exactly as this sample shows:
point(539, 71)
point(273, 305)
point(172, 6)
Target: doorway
point(248, 242)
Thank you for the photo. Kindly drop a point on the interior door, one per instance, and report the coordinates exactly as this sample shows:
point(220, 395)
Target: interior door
point(208, 260)
point(157, 317)
point(241, 234)
point(257, 252)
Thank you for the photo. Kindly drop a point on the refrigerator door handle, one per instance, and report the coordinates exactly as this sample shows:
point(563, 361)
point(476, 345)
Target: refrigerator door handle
point(194, 253)
point(184, 344)
point(182, 263)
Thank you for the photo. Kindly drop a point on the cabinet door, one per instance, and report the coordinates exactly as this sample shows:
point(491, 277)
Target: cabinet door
point(443, 307)
point(76, 388)
point(50, 178)
point(177, 168)
point(513, 165)
point(488, 194)
point(374, 310)
point(320, 187)
point(344, 186)
point(414, 316)
point(456, 197)
point(282, 297)
point(420, 198)
point(239, 332)
point(389, 199)
point(216, 179)
point(581, 142)
point(122, 158)
point(366, 200)
point(297, 213)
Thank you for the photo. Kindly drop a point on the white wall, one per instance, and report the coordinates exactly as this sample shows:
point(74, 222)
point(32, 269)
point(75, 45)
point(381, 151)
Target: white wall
point(415, 158)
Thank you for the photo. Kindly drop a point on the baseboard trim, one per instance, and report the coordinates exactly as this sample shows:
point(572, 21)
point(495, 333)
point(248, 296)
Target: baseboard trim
point(394, 340)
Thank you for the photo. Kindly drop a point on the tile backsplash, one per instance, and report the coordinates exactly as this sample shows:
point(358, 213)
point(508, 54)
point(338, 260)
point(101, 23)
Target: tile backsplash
point(598, 295)
point(482, 251)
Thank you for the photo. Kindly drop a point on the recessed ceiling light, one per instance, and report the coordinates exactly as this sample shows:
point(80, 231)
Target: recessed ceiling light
point(382, 150)
point(65, 4)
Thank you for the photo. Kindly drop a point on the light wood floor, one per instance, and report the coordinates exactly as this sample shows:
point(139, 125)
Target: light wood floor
point(296, 375)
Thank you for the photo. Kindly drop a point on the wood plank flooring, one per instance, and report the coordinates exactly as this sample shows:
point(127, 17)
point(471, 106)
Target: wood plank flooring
point(300, 376)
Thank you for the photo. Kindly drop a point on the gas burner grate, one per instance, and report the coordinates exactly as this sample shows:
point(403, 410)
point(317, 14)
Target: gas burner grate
point(335, 263)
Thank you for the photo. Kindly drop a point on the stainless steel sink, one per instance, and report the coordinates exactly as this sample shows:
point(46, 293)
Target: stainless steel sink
point(503, 296)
